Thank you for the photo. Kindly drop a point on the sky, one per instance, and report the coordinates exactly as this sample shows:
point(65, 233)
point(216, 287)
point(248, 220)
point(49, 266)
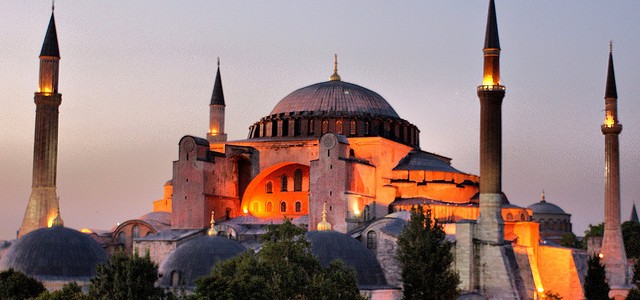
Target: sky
point(136, 76)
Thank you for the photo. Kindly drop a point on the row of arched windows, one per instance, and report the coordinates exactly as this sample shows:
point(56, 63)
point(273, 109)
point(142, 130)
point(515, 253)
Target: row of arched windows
point(284, 183)
point(283, 206)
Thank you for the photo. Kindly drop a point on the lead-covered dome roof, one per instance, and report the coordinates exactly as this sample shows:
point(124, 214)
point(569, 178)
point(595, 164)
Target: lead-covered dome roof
point(544, 207)
point(328, 246)
point(56, 253)
point(195, 258)
point(335, 96)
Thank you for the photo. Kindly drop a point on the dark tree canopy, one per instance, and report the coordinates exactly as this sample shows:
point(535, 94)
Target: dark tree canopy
point(570, 240)
point(70, 291)
point(595, 283)
point(284, 268)
point(16, 285)
point(631, 237)
point(126, 277)
point(426, 259)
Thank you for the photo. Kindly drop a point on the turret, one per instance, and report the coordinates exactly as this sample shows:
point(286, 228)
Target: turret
point(216, 111)
point(49, 59)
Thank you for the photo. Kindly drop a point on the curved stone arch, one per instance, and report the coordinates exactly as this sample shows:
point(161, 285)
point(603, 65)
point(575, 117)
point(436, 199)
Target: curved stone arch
point(126, 228)
point(256, 185)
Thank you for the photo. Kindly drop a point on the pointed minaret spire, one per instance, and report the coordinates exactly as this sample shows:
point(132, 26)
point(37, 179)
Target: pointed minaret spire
point(634, 215)
point(216, 111)
point(43, 203)
point(542, 198)
point(491, 39)
point(335, 76)
point(324, 225)
point(610, 89)
point(614, 256)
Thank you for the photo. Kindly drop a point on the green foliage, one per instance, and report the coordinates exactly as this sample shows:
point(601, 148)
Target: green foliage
point(426, 259)
point(126, 277)
point(285, 268)
point(70, 291)
point(16, 285)
point(571, 241)
point(595, 283)
point(631, 237)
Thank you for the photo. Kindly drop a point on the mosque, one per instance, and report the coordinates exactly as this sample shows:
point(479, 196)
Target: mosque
point(335, 158)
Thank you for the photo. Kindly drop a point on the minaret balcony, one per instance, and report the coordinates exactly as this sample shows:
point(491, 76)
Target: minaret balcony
point(491, 88)
point(611, 128)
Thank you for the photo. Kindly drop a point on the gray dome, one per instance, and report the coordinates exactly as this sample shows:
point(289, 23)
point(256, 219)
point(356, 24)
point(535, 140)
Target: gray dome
point(335, 97)
point(196, 257)
point(328, 246)
point(544, 207)
point(56, 253)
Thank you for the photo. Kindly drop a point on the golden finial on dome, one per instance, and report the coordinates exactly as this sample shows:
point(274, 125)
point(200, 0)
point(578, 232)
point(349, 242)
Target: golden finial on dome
point(212, 231)
point(57, 221)
point(335, 76)
point(542, 199)
point(324, 225)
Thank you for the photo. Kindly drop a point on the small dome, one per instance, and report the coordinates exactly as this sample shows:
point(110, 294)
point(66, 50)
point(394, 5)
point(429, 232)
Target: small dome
point(328, 246)
point(544, 207)
point(195, 259)
point(57, 253)
point(332, 97)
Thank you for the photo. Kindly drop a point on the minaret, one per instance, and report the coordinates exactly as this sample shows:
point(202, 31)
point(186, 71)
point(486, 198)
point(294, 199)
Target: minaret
point(216, 112)
point(614, 256)
point(491, 93)
point(43, 204)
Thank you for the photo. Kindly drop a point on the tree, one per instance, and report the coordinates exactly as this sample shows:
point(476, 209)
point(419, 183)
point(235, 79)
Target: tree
point(126, 277)
point(70, 291)
point(570, 240)
point(593, 231)
point(426, 259)
point(595, 283)
point(17, 285)
point(285, 268)
point(631, 237)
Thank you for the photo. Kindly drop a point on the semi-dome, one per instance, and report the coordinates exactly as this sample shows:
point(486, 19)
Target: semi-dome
point(333, 97)
point(55, 254)
point(195, 258)
point(328, 246)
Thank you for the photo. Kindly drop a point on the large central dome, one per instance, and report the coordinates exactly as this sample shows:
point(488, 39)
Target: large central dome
point(336, 107)
point(335, 96)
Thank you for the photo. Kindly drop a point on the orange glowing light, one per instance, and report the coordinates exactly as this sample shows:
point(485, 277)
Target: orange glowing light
point(356, 211)
point(540, 290)
point(608, 121)
point(601, 255)
point(214, 132)
point(86, 230)
point(488, 80)
point(245, 210)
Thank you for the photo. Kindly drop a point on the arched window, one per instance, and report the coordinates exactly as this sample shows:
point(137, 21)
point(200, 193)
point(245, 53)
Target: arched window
point(509, 217)
point(228, 212)
point(366, 127)
point(339, 127)
point(135, 231)
point(352, 128)
point(371, 240)
point(268, 188)
point(523, 217)
point(283, 183)
point(352, 153)
point(312, 127)
point(366, 213)
point(283, 206)
point(325, 126)
point(297, 180)
point(122, 237)
point(298, 206)
point(255, 207)
point(269, 206)
point(175, 278)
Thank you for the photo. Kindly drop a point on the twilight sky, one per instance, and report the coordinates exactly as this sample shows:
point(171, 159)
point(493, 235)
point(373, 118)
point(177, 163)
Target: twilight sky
point(136, 76)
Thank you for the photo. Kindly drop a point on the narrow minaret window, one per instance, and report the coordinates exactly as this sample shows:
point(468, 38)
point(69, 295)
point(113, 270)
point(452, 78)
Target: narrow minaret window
point(491, 93)
point(217, 111)
point(613, 253)
point(43, 206)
